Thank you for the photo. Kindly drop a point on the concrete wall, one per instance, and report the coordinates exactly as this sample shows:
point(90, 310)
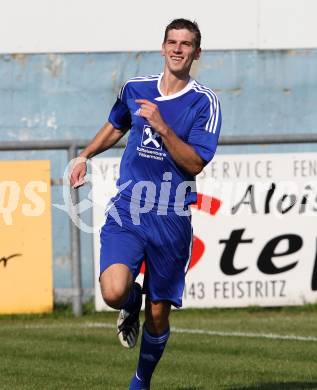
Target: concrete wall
point(56, 96)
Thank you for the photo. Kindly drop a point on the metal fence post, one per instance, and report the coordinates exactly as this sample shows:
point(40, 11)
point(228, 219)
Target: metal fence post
point(77, 303)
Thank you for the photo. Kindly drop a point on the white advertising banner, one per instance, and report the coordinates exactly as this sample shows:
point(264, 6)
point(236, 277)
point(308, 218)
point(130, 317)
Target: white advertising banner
point(254, 230)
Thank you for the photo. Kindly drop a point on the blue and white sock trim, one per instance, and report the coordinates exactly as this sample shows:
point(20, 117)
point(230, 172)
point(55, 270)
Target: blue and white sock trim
point(155, 339)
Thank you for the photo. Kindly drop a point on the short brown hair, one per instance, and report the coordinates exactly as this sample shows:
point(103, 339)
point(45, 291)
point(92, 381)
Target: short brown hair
point(178, 24)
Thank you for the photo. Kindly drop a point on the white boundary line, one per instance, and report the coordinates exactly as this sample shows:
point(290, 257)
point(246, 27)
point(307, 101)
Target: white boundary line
point(205, 332)
point(271, 336)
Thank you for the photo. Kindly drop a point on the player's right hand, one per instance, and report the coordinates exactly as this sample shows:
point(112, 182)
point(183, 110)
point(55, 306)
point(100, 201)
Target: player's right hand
point(78, 172)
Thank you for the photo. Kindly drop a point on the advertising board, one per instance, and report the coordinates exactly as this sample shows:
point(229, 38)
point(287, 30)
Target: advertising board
point(254, 230)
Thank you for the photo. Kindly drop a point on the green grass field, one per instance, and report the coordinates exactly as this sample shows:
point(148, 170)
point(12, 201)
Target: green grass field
point(226, 349)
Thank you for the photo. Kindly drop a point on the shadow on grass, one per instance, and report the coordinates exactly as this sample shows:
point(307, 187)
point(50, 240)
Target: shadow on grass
point(278, 386)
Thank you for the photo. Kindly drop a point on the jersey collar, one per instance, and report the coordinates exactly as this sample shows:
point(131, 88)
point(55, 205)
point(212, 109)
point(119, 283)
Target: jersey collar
point(174, 95)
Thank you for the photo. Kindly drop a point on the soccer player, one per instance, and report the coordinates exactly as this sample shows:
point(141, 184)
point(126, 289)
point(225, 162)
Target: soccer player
point(174, 124)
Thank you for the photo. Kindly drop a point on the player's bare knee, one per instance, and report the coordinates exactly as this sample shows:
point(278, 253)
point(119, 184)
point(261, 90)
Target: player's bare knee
point(113, 301)
point(114, 295)
point(115, 283)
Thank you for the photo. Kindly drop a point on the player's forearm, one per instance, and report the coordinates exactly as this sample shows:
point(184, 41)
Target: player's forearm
point(183, 154)
point(106, 137)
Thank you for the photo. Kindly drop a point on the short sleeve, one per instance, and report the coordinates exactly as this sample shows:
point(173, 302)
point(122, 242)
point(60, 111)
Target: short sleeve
point(204, 134)
point(120, 116)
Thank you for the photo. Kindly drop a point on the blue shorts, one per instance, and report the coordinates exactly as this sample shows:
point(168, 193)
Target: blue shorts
point(162, 241)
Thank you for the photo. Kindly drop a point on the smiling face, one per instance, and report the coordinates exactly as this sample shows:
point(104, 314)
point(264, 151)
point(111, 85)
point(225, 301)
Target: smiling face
point(180, 51)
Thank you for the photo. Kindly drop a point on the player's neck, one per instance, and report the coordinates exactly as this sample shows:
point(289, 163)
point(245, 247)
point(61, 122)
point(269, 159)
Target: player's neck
point(171, 83)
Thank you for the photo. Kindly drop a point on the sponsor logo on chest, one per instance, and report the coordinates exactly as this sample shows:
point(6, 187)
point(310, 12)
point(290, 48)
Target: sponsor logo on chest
point(151, 144)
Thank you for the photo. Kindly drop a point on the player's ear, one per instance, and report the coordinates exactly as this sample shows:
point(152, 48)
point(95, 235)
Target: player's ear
point(163, 49)
point(197, 53)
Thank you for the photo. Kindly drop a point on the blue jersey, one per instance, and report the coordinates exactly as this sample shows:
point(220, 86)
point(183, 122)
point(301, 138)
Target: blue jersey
point(193, 114)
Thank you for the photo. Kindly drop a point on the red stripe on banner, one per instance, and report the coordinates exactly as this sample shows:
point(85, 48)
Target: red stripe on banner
point(207, 203)
point(197, 252)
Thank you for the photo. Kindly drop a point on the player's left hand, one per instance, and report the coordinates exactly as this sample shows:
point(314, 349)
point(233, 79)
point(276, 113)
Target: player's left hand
point(151, 112)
